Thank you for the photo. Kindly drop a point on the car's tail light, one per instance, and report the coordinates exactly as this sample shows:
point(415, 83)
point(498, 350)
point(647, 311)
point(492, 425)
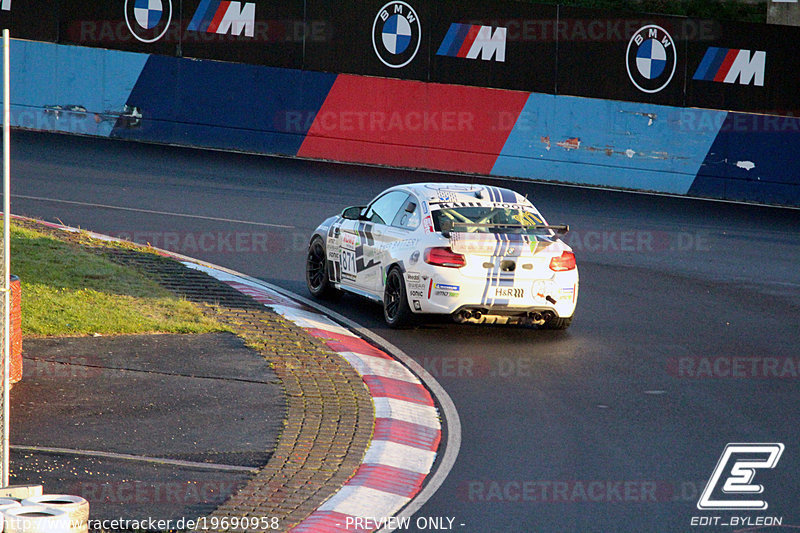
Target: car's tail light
point(445, 257)
point(566, 261)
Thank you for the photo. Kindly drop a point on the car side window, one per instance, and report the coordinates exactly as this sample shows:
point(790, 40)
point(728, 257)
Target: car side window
point(384, 209)
point(408, 217)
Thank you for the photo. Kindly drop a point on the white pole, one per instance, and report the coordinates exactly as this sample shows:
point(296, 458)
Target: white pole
point(6, 251)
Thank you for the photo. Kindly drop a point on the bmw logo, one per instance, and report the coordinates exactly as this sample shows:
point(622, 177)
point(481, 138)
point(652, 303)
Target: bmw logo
point(396, 34)
point(651, 58)
point(148, 20)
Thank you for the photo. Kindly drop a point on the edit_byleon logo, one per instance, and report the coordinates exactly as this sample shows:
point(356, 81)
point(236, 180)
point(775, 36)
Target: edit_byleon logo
point(651, 58)
point(731, 485)
point(148, 20)
point(396, 34)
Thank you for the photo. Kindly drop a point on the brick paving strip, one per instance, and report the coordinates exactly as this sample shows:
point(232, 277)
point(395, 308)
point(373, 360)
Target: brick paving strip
point(362, 432)
point(330, 413)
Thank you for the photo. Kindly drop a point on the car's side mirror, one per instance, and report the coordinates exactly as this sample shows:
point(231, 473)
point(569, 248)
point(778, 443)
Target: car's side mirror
point(352, 213)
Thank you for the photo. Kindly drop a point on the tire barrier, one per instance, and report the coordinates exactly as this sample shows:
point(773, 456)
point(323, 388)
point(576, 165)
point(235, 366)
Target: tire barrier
point(36, 519)
point(8, 503)
point(76, 508)
point(5, 504)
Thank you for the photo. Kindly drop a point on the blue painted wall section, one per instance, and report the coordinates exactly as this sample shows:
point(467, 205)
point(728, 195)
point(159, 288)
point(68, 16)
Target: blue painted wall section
point(269, 110)
point(753, 159)
point(607, 143)
point(70, 88)
point(224, 105)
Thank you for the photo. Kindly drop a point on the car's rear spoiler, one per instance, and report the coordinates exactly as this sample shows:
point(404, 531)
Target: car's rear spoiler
point(449, 226)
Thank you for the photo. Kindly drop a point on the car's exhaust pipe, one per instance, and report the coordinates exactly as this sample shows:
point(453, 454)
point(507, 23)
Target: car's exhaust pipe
point(536, 317)
point(477, 315)
point(548, 316)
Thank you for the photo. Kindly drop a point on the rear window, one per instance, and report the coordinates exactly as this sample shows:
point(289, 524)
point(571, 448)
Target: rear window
point(479, 219)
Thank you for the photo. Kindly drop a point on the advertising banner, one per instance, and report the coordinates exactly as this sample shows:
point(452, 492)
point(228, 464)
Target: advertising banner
point(30, 19)
point(743, 67)
point(505, 45)
point(262, 32)
point(639, 59)
point(148, 26)
point(375, 38)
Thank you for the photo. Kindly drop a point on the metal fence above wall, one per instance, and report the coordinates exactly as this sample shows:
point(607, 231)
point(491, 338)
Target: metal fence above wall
point(502, 44)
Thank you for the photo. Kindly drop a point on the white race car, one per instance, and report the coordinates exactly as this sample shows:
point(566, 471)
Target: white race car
point(478, 253)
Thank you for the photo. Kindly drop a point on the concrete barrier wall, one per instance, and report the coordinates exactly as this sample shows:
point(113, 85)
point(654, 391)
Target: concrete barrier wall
point(405, 123)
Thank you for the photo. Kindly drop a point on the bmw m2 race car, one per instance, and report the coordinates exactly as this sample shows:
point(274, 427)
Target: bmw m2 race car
point(478, 253)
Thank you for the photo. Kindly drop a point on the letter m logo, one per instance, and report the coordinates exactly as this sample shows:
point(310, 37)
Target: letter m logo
point(221, 17)
point(727, 65)
point(470, 41)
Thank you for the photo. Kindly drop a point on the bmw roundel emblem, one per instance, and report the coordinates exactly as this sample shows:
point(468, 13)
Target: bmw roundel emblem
point(396, 34)
point(651, 58)
point(148, 20)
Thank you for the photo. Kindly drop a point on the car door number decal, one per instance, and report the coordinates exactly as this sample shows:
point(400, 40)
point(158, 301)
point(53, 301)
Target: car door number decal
point(347, 259)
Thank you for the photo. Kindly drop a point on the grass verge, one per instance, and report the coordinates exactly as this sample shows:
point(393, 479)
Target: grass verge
point(67, 290)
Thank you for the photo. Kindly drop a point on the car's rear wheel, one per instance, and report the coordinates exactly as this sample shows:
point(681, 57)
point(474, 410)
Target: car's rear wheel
point(396, 311)
point(317, 278)
point(557, 323)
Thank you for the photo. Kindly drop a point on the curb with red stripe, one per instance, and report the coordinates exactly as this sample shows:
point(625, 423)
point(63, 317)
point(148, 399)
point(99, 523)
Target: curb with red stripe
point(407, 427)
point(407, 430)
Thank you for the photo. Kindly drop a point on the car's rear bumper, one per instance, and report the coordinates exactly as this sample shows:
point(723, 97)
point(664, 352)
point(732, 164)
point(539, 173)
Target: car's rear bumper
point(454, 294)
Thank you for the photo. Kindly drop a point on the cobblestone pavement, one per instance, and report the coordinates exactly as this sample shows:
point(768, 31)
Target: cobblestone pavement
point(330, 414)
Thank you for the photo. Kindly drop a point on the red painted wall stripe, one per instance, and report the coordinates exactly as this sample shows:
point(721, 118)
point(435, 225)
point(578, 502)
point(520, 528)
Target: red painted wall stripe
point(413, 124)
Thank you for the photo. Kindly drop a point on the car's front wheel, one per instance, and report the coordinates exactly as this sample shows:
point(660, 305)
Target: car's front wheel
point(317, 278)
point(396, 311)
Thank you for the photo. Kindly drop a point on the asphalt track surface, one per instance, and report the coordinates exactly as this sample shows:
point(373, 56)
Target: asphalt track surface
point(685, 338)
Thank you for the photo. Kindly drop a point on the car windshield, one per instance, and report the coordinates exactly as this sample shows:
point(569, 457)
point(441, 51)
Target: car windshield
point(488, 219)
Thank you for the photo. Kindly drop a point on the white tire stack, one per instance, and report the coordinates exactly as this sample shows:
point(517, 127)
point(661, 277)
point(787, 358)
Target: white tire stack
point(76, 508)
point(35, 519)
point(7, 503)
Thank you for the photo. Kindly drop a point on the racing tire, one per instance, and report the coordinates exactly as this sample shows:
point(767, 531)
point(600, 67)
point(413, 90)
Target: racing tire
point(396, 311)
point(36, 519)
point(8, 503)
point(77, 508)
point(557, 323)
point(317, 278)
